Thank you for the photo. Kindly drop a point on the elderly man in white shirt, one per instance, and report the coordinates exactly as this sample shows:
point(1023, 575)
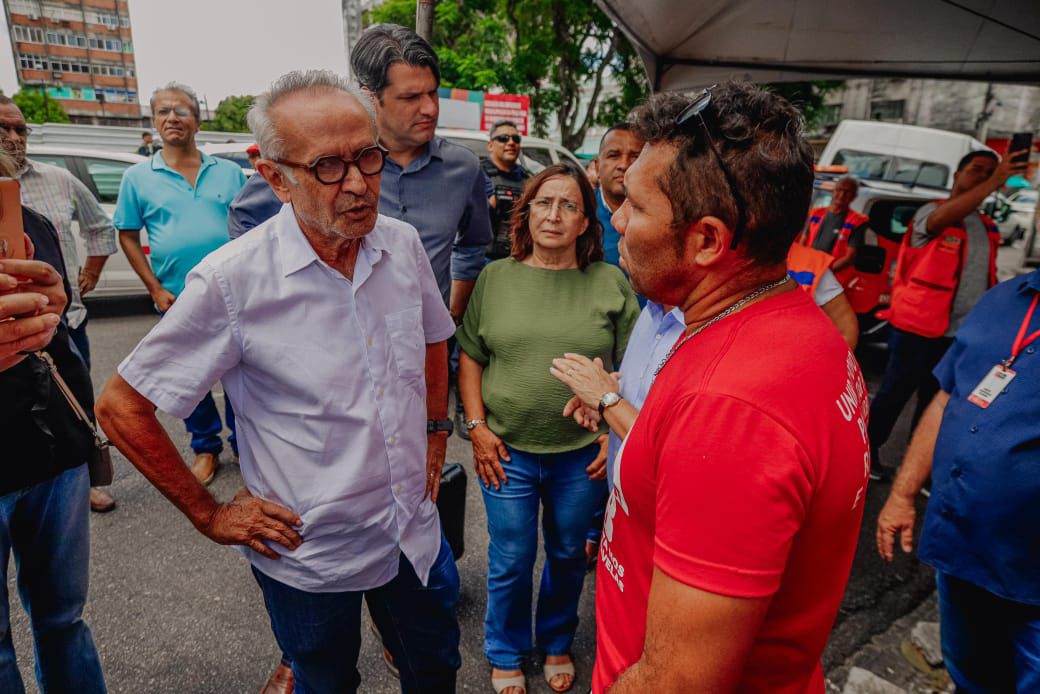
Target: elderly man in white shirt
point(327, 328)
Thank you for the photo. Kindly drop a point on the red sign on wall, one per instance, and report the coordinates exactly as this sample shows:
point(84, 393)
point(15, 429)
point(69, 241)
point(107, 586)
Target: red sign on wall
point(506, 106)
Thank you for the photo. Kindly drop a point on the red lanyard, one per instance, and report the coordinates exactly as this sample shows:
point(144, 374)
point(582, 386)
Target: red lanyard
point(1022, 340)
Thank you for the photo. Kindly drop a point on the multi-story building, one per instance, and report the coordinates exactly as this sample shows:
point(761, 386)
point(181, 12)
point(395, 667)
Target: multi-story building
point(991, 112)
point(79, 52)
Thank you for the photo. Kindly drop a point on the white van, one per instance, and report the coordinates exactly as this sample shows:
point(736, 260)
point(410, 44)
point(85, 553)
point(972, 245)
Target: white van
point(905, 154)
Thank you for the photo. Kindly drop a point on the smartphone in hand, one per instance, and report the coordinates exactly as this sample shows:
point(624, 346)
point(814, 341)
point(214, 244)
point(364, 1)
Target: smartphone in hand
point(1020, 141)
point(12, 235)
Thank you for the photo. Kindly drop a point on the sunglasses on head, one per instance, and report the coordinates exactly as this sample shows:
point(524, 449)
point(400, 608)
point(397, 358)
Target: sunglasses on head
point(697, 108)
point(506, 138)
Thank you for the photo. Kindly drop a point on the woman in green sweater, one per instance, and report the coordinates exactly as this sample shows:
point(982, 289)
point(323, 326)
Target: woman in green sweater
point(554, 295)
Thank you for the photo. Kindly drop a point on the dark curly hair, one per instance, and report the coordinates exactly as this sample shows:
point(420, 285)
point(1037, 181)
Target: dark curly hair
point(589, 247)
point(758, 135)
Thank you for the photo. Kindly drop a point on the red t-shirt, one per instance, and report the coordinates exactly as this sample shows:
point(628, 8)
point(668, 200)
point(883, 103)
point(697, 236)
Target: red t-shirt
point(744, 475)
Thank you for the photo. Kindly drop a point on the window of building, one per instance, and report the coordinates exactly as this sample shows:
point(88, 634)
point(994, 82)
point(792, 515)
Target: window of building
point(887, 110)
point(28, 34)
point(28, 61)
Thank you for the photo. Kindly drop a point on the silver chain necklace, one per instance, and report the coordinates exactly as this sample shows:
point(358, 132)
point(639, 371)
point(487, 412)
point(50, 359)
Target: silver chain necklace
point(719, 316)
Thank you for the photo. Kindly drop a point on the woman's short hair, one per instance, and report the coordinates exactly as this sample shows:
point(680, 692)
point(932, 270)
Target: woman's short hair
point(589, 246)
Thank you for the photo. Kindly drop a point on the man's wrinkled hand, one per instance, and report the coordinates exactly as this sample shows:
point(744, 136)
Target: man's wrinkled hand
point(253, 522)
point(87, 281)
point(436, 450)
point(163, 299)
point(896, 518)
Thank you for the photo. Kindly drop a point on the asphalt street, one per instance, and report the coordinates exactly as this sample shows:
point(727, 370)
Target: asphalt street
point(173, 612)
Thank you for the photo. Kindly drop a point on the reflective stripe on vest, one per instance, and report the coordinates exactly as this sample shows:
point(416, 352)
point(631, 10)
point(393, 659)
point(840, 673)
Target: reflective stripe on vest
point(806, 266)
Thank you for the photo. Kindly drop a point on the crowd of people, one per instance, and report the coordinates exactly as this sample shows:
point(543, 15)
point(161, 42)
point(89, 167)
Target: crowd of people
point(642, 362)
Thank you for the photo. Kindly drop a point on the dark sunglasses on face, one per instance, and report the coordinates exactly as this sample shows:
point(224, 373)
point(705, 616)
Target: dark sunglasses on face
point(22, 130)
point(331, 169)
point(697, 108)
point(506, 138)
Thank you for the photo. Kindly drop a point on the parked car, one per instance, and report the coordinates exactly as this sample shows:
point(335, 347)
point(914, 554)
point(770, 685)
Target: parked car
point(536, 153)
point(101, 172)
point(890, 209)
point(1021, 209)
point(234, 151)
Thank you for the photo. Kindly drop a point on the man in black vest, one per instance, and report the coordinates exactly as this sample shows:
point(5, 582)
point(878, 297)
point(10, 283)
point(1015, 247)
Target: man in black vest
point(507, 178)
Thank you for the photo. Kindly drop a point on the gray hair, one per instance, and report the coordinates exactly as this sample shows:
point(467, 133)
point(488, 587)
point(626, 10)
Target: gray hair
point(382, 46)
point(267, 136)
point(183, 89)
point(848, 180)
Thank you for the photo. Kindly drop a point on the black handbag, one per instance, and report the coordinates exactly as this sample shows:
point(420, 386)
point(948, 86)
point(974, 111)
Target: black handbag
point(99, 464)
point(451, 507)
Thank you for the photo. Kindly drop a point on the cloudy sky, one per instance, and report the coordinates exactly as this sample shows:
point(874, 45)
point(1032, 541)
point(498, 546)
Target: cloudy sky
point(222, 47)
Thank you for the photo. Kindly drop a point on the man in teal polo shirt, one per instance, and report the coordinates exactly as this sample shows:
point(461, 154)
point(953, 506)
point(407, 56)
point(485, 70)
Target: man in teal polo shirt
point(181, 197)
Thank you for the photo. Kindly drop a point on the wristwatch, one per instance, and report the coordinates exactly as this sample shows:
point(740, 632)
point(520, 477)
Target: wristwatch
point(474, 423)
point(435, 425)
point(608, 400)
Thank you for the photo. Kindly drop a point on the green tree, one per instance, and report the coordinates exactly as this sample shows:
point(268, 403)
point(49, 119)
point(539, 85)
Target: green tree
point(562, 53)
point(230, 116)
point(807, 97)
point(38, 109)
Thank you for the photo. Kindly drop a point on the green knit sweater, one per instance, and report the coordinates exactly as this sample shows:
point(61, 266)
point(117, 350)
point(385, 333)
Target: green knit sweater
point(518, 320)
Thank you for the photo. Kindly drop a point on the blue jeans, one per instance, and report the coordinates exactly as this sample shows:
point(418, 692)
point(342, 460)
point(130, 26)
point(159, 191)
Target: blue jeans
point(911, 359)
point(320, 633)
point(990, 645)
point(80, 341)
point(560, 483)
point(205, 426)
point(47, 528)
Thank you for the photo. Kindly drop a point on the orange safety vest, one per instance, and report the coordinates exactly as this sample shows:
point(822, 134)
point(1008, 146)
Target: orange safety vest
point(806, 266)
point(926, 278)
point(841, 244)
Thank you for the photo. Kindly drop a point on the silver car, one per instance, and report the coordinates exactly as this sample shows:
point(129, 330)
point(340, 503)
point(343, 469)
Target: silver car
point(101, 172)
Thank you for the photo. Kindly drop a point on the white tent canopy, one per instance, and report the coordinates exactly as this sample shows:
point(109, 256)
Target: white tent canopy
point(686, 44)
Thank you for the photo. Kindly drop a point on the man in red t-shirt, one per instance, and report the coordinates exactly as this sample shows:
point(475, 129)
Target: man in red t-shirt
point(739, 493)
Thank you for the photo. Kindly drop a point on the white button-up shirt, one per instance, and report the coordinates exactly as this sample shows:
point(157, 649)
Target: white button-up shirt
point(327, 377)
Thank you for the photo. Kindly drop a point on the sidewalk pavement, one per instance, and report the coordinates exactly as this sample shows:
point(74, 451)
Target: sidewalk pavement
point(904, 659)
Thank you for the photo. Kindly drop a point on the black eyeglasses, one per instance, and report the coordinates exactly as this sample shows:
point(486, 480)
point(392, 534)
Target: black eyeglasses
point(22, 130)
point(697, 108)
point(506, 138)
point(331, 169)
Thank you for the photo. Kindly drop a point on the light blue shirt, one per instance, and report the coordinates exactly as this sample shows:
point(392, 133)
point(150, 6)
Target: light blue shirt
point(185, 223)
point(652, 337)
point(328, 380)
point(442, 195)
point(610, 235)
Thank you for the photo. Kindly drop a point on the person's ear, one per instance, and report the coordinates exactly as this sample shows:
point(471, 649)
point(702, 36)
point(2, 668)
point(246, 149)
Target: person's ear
point(708, 240)
point(274, 175)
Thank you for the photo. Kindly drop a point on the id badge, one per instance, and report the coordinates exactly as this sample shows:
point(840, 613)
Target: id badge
point(991, 386)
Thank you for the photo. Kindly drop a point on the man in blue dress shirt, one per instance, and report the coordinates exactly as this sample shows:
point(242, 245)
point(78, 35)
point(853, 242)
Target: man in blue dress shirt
point(980, 441)
point(433, 184)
